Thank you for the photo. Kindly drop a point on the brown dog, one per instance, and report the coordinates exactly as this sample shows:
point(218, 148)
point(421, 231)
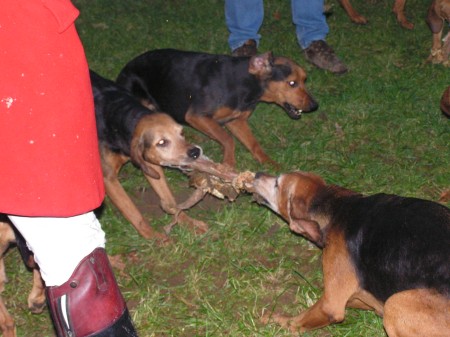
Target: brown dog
point(382, 252)
point(150, 139)
point(36, 298)
point(209, 91)
point(438, 15)
point(398, 9)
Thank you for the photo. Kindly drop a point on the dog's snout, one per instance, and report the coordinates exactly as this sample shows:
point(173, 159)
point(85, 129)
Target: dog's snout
point(194, 152)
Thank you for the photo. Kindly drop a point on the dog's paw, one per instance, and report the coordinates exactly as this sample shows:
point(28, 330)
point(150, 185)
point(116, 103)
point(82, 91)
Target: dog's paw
point(161, 239)
point(270, 317)
point(359, 20)
point(198, 226)
point(36, 307)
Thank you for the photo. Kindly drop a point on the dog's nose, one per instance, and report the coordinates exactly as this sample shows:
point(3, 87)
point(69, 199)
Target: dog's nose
point(194, 152)
point(313, 105)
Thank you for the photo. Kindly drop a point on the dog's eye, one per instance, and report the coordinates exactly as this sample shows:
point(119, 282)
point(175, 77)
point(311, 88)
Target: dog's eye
point(162, 143)
point(292, 84)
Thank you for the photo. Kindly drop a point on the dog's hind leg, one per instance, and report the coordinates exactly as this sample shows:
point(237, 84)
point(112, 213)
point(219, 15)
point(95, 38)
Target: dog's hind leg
point(7, 324)
point(36, 298)
point(417, 313)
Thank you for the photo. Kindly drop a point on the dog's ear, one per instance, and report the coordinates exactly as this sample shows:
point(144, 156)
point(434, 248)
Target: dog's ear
point(301, 223)
point(261, 65)
point(433, 20)
point(137, 156)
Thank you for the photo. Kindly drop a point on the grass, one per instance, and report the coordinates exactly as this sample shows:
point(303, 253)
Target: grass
point(378, 129)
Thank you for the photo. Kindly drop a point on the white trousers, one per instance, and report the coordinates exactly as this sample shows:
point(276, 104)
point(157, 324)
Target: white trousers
point(59, 244)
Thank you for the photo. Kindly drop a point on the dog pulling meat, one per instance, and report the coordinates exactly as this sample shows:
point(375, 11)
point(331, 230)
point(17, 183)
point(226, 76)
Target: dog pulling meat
point(382, 252)
point(150, 139)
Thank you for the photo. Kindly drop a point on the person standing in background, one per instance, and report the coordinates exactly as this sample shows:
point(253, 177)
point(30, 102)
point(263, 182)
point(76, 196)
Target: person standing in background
point(51, 177)
point(245, 17)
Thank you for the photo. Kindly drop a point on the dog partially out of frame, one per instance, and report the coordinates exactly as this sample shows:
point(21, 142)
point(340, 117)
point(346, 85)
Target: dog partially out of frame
point(150, 139)
point(437, 17)
point(398, 9)
point(382, 252)
point(209, 91)
point(36, 298)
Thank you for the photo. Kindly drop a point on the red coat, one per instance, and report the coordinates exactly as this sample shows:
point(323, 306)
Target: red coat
point(50, 164)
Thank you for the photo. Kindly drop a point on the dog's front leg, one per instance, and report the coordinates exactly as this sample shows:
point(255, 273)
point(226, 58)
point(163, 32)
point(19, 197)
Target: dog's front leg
point(169, 204)
point(241, 130)
point(111, 165)
point(446, 49)
point(340, 284)
point(126, 206)
point(213, 130)
point(399, 11)
point(352, 13)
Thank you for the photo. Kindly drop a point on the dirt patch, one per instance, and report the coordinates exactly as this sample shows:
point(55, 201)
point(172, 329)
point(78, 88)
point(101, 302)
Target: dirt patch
point(148, 201)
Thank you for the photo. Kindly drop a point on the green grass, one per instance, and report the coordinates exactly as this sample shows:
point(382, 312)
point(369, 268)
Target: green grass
point(378, 129)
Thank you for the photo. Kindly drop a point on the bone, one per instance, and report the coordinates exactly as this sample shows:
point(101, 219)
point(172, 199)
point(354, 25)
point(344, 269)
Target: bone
point(216, 179)
point(220, 188)
point(206, 165)
point(195, 197)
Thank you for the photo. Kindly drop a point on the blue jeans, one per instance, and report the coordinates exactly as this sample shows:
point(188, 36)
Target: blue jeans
point(245, 17)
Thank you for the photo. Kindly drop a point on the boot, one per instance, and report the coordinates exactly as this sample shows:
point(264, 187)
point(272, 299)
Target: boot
point(322, 56)
point(249, 48)
point(90, 302)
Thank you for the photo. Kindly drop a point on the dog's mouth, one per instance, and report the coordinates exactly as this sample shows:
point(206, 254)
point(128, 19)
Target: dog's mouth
point(206, 165)
point(292, 111)
point(260, 199)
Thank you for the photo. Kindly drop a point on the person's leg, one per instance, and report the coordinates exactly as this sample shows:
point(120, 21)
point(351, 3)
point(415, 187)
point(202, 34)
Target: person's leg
point(311, 29)
point(243, 19)
point(309, 20)
point(83, 296)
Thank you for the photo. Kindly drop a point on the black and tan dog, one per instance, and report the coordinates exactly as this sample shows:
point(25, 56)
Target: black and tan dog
point(209, 91)
point(382, 252)
point(150, 139)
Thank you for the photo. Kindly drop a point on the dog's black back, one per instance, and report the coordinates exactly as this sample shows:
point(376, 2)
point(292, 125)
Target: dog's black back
point(395, 243)
point(181, 79)
point(117, 113)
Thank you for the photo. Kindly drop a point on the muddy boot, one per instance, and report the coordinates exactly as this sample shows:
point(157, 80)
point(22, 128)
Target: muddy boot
point(249, 48)
point(322, 56)
point(90, 302)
